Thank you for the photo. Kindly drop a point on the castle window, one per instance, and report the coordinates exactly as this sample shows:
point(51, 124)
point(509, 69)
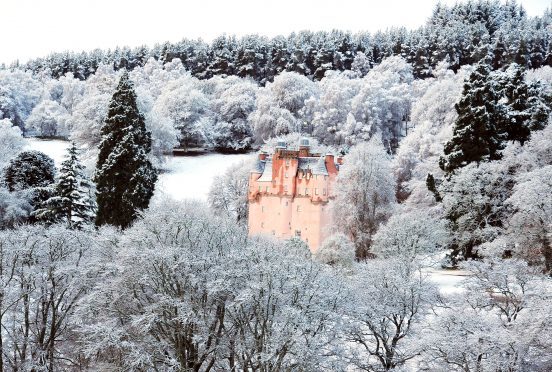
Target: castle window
point(298, 233)
point(298, 208)
point(315, 191)
point(306, 190)
point(267, 189)
point(287, 161)
point(285, 189)
point(262, 225)
point(287, 176)
point(287, 205)
point(323, 191)
point(262, 209)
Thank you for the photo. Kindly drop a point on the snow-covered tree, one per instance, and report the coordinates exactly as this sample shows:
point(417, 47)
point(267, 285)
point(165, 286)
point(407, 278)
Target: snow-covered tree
point(382, 104)
point(497, 323)
point(473, 201)
point(44, 272)
point(361, 64)
point(329, 113)
point(88, 116)
point(125, 178)
point(15, 207)
point(337, 250)
point(72, 201)
point(391, 299)
point(365, 194)
point(11, 141)
point(228, 193)
point(187, 289)
point(164, 136)
point(233, 101)
point(279, 106)
point(410, 235)
point(531, 223)
point(48, 119)
point(188, 108)
point(20, 92)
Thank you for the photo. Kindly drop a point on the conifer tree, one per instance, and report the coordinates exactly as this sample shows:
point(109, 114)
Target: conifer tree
point(475, 137)
point(71, 202)
point(125, 178)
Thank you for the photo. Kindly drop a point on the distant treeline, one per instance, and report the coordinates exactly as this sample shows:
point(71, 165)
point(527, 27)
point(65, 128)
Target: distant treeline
point(461, 34)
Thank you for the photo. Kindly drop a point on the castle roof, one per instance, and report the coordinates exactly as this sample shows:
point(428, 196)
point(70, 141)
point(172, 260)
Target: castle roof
point(317, 165)
point(259, 166)
point(267, 172)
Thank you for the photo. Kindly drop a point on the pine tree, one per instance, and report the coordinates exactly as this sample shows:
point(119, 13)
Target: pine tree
point(71, 202)
point(475, 137)
point(515, 93)
point(125, 178)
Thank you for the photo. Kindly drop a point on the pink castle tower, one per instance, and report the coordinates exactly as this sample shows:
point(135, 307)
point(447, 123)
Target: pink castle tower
point(289, 192)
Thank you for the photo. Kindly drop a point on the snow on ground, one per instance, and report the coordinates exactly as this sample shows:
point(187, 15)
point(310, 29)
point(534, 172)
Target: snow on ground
point(53, 148)
point(190, 177)
point(449, 281)
point(184, 177)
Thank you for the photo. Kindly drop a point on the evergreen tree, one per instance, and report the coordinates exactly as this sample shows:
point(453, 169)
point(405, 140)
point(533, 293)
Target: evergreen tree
point(71, 202)
point(475, 137)
point(125, 178)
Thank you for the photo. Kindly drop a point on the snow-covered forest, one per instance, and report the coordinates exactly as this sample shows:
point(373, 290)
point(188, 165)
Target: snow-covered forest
point(446, 136)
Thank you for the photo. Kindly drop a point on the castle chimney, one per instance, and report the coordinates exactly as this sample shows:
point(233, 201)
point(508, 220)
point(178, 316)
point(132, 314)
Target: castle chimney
point(304, 147)
point(280, 145)
point(330, 164)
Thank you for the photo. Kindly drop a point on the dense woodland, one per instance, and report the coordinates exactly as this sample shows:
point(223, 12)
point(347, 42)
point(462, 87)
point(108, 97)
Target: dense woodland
point(461, 35)
point(447, 141)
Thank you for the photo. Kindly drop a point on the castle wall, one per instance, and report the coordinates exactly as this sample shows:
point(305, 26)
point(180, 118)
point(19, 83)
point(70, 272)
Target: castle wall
point(285, 202)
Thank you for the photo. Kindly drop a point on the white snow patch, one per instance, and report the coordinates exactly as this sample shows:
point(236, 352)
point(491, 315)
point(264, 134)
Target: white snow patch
point(448, 281)
point(56, 149)
point(190, 177)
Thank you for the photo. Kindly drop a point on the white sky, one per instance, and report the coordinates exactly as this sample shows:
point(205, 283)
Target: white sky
point(34, 28)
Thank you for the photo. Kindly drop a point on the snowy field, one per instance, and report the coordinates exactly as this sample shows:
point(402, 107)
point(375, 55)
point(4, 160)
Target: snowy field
point(53, 148)
point(191, 177)
point(184, 177)
point(449, 281)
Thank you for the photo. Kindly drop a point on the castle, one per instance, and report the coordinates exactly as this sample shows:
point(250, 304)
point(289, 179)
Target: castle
point(289, 194)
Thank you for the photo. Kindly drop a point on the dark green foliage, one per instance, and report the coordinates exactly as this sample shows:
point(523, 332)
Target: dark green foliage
point(475, 137)
point(495, 108)
point(71, 199)
point(125, 178)
point(431, 186)
point(29, 169)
